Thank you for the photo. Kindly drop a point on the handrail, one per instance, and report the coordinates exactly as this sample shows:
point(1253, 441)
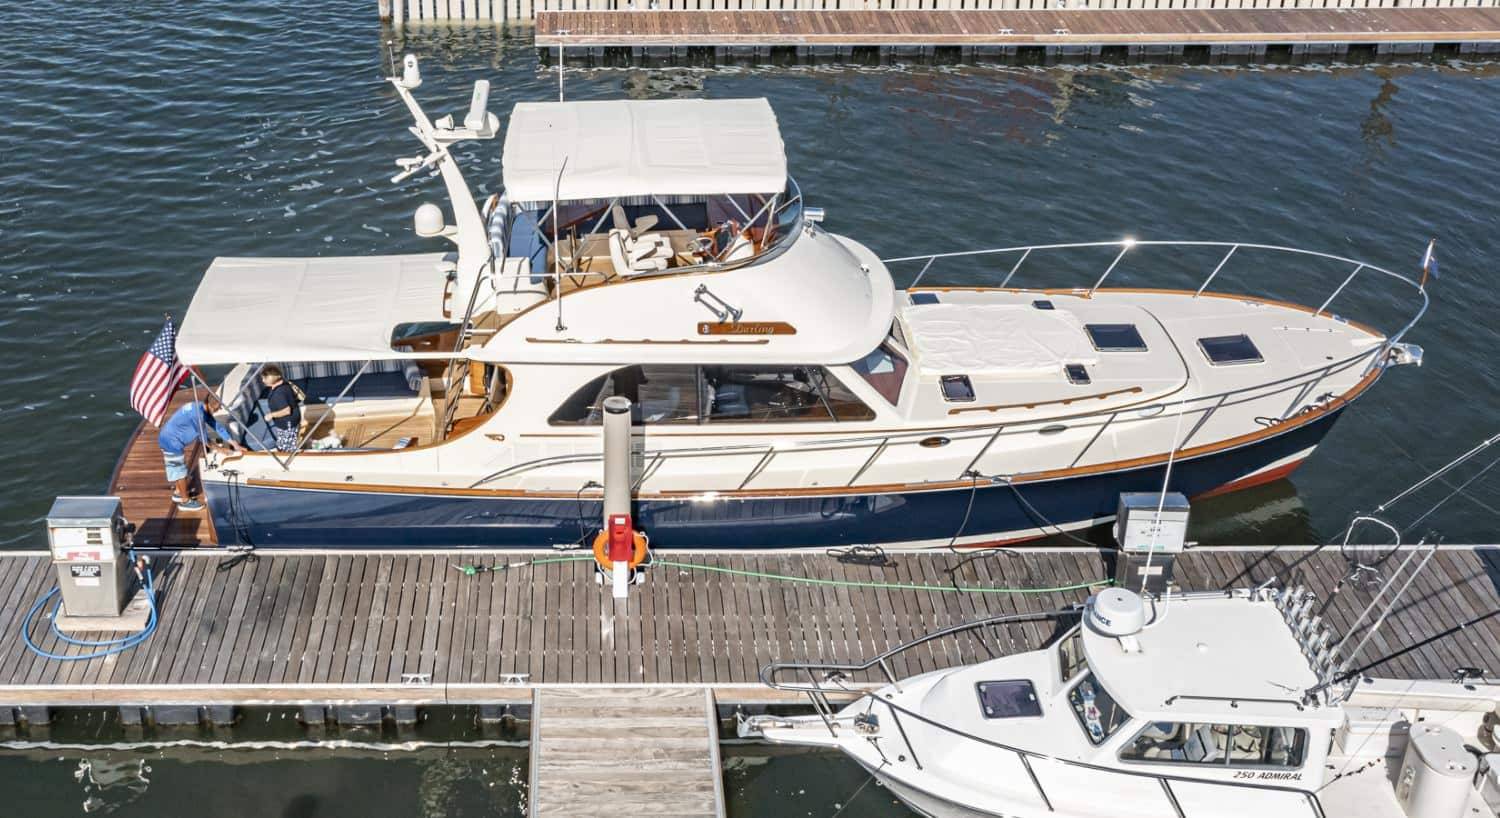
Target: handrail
point(1309, 796)
point(769, 672)
point(818, 694)
point(1187, 406)
point(1127, 245)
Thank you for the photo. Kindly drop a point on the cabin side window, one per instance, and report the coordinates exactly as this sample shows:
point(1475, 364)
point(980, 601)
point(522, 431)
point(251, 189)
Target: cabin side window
point(685, 394)
point(1234, 745)
point(885, 370)
point(749, 394)
point(658, 394)
point(1096, 710)
point(1070, 658)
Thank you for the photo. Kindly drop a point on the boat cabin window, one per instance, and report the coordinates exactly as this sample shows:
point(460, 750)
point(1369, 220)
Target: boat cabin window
point(678, 393)
point(1096, 710)
point(738, 394)
point(1010, 699)
point(1115, 337)
point(885, 370)
point(1225, 350)
point(1070, 658)
point(1233, 745)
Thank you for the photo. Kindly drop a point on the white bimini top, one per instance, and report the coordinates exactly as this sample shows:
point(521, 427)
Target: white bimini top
point(627, 148)
point(309, 309)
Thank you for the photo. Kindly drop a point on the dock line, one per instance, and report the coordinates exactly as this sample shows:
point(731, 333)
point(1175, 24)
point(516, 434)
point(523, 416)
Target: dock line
point(472, 570)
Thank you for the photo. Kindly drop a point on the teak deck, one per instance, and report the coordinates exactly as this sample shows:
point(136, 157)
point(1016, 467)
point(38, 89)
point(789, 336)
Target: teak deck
point(140, 481)
point(1089, 27)
point(623, 751)
point(403, 628)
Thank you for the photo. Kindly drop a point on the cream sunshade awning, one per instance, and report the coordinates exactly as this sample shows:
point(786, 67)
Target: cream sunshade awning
point(623, 148)
point(308, 309)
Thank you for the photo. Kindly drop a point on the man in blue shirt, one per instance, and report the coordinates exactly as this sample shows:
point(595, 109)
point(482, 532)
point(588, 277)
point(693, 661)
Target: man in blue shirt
point(177, 436)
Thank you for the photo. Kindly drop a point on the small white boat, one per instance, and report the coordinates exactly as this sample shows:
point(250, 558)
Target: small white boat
point(787, 392)
point(1216, 704)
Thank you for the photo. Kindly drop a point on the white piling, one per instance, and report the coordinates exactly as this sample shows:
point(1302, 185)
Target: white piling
point(617, 482)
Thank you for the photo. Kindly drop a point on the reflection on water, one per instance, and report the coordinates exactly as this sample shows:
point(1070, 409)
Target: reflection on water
point(764, 780)
point(179, 782)
point(109, 783)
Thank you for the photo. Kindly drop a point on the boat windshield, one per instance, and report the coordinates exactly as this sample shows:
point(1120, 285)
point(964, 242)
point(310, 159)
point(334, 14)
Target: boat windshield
point(1097, 712)
point(589, 242)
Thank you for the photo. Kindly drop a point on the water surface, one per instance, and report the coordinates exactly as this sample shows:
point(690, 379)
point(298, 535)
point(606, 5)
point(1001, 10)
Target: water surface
point(138, 146)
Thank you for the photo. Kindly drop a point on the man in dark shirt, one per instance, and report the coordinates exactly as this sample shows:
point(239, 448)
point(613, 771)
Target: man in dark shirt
point(285, 404)
point(193, 422)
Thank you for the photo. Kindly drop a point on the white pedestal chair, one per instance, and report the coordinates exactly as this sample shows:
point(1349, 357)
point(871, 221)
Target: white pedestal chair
point(634, 250)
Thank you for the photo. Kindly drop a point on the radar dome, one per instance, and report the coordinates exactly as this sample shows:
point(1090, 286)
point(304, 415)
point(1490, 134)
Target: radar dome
point(429, 220)
point(1117, 612)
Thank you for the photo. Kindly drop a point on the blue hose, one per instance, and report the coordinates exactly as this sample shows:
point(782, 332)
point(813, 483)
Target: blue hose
point(105, 647)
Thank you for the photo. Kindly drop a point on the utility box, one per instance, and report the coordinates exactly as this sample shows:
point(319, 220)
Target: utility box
point(1151, 531)
point(87, 537)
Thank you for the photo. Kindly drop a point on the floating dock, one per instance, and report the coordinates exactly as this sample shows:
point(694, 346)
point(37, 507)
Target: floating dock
point(1022, 35)
point(386, 629)
point(372, 638)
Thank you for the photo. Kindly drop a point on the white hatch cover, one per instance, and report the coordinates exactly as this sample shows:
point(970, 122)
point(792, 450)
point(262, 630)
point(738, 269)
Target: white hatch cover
point(995, 339)
point(625, 148)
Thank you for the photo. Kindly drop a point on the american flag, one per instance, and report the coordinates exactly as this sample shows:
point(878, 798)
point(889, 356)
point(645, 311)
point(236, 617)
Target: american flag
point(156, 376)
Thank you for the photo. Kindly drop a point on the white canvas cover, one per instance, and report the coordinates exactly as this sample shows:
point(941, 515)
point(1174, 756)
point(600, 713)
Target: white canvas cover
point(308, 309)
point(995, 339)
point(624, 148)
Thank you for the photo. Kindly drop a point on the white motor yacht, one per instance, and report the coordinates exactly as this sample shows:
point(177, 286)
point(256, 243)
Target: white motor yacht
point(1229, 704)
point(786, 392)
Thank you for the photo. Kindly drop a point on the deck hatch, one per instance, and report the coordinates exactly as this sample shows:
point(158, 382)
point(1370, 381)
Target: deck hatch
point(1042, 304)
point(1077, 373)
point(1115, 337)
point(1224, 350)
point(1009, 699)
point(957, 388)
point(924, 298)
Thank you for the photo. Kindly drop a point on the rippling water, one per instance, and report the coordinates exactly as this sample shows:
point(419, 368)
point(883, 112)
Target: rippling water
point(141, 142)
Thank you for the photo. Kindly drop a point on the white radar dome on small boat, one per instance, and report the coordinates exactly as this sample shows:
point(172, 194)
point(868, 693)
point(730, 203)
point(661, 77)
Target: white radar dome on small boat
point(1117, 612)
point(429, 220)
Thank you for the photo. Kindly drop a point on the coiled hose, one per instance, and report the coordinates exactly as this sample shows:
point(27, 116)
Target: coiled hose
point(103, 647)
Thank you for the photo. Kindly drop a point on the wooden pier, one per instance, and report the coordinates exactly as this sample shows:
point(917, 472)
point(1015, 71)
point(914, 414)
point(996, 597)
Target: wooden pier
point(365, 638)
point(618, 751)
point(1087, 32)
point(384, 628)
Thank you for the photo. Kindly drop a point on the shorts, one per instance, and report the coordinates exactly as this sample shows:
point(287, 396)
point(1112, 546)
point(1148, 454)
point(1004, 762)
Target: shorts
point(286, 439)
point(176, 466)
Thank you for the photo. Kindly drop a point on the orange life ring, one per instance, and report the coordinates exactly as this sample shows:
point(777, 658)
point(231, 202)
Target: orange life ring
point(601, 550)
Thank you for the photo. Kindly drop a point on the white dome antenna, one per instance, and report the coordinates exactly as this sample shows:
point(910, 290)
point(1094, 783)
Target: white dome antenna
point(428, 221)
point(1119, 613)
point(411, 75)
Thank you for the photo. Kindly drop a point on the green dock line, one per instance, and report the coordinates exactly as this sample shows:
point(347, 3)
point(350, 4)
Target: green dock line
point(470, 570)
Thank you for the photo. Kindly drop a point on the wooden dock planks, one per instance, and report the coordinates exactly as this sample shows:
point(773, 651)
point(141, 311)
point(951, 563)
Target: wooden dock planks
point(625, 751)
point(1089, 27)
point(298, 627)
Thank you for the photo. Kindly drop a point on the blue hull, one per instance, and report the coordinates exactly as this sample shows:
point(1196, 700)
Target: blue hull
point(275, 517)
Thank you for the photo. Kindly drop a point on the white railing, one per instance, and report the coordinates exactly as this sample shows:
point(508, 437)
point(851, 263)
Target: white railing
point(1129, 246)
point(825, 678)
point(1196, 411)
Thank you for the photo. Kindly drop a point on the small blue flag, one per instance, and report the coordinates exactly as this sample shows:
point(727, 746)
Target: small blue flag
point(1429, 261)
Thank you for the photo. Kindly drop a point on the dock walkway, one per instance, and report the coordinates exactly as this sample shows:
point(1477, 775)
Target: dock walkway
point(1085, 28)
point(385, 628)
point(623, 751)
